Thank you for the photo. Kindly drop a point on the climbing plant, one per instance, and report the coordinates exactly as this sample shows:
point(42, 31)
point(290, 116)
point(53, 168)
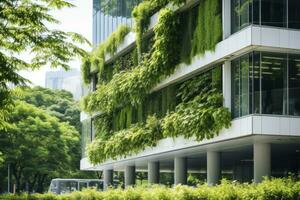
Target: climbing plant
point(109, 46)
point(131, 86)
point(142, 14)
point(86, 70)
point(200, 115)
point(208, 31)
point(134, 117)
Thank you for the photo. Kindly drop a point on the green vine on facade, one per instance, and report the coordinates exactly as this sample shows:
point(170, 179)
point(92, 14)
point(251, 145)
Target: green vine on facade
point(126, 128)
point(131, 86)
point(86, 70)
point(142, 15)
point(200, 116)
point(96, 60)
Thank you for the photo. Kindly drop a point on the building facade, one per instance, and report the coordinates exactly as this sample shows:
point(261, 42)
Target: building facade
point(256, 65)
point(67, 80)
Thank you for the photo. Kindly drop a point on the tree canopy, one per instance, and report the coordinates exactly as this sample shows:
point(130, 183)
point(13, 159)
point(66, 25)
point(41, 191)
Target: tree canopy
point(36, 145)
point(58, 103)
point(42, 139)
point(23, 29)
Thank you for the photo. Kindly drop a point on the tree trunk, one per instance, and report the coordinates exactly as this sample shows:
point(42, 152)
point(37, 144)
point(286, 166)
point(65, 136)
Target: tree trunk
point(17, 174)
point(40, 182)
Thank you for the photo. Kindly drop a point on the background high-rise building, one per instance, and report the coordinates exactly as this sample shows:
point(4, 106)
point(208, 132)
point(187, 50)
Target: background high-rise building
point(68, 80)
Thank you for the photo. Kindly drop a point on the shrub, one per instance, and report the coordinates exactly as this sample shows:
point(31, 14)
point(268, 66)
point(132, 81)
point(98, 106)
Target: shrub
point(274, 189)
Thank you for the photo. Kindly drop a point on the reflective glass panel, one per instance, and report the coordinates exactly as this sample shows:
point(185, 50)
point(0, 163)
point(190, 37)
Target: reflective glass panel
point(256, 82)
point(273, 13)
point(274, 83)
point(235, 91)
point(294, 14)
point(294, 85)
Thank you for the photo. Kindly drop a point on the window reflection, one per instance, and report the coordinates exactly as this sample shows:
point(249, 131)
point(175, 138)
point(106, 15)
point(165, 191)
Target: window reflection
point(294, 14)
point(277, 13)
point(294, 85)
point(240, 86)
point(265, 83)
point(273, 83)
point(108, 15)
point(273, 12)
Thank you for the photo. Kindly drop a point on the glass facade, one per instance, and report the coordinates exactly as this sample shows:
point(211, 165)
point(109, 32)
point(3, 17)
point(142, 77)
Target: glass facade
point(266, 83)
point(277, 13)
point(108, 15)
point(86, 136)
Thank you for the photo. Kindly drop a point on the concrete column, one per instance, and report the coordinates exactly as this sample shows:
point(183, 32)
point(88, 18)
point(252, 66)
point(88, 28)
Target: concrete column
point(129, 176)
point(180, 170)
point(213, 167)
point(226, 71)
point(262, 161)
point(226, 17)
point(153, 172)
point(107, 178)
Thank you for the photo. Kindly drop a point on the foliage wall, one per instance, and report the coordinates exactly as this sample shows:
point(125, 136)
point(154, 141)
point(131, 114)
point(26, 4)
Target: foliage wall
point(275, 189)
point(123, 92)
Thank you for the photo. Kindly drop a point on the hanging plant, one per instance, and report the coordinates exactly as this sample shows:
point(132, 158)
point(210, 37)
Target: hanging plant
point(200, 115)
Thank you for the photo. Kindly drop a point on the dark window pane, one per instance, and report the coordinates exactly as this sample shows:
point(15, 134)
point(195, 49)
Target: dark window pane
point(273, 13)
point(244, 13)
point(255, 10)
point(240, 14)
point(244, 85)
point(216, 74)
point(250, 83)
point(294, 14)
point(294, 85)
point(235, 19)
point(256, 82)
point(273, 75)
point(235, 84)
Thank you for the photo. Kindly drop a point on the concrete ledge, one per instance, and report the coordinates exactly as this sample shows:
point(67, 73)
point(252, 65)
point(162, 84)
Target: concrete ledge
point(249, 39)
point(241, 128)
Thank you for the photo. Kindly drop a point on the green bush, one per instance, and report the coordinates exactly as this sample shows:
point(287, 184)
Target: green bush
point(274, 189)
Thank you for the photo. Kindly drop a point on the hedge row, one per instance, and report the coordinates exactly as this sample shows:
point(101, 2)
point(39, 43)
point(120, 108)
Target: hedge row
point(274, 189)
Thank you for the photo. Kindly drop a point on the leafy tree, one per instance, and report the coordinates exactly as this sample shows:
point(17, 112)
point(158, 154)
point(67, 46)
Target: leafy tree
point(23, 29)
point(37, 146)
point(59, 120)
point(58, 103)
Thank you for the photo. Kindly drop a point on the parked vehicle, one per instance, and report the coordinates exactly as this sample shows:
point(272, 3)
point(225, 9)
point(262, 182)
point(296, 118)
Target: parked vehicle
point(62, 186)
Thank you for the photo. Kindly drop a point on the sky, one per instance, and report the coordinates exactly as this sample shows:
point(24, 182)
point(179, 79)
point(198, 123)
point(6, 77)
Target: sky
point(77, 19)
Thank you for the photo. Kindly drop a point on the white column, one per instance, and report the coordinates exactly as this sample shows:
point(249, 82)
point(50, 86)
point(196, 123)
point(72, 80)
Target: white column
point(180, 170)
point(107, 178)
point(129, 176)
point(262, 161)
point(153, 172)
point(213, 167)
point(226, 17)
point(226, 71)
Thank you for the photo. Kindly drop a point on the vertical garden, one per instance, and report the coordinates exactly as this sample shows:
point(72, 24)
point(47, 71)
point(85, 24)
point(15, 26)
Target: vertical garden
point(133, 116)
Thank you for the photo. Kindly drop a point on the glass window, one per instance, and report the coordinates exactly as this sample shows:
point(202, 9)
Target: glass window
point(241, 14)
point(86, 135)
point(240, 86)
point(256, 83)
point(265, 83)
point(255, 11)
point(235, 19)
point(273, 13)
point(294, 14)
point(235, 91)
point(244, 85)
point(273, 83)
point(216, 75)
point(294, 85)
